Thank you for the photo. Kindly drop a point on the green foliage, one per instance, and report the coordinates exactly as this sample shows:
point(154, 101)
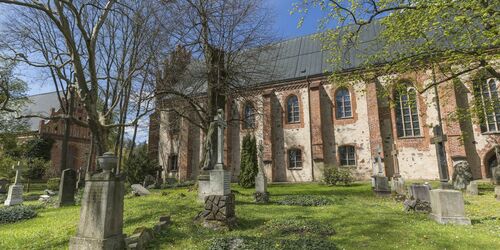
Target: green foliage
point(53, 183)
point(334, 175)
point(299, 226)
point(249, 164)
point(12, 99)
point(16, 213)
point(305, 200)
point(6, 163)
point(248, 243)
point(38, 148)
point(139, 165)
point(36, 168)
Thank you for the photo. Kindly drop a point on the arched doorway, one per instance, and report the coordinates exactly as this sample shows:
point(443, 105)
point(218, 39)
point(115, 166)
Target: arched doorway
point(490, 161)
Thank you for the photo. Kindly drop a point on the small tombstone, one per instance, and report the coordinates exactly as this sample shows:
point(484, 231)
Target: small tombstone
point(382, 186)
point(4, 186)
point(261, 194)
point(448, 207)
point(67, 188)
point(398, 185)
point(472, 188)
point(420, 192)
point(462, 175)
point(15, 193)
point(139, 190)
point(80, 183)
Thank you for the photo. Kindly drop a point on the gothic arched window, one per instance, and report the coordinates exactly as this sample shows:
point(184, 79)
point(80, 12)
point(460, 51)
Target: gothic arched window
point(407, 121)
point(294, 158)
point(343, 103)
point(488, 101)
point(249, 116)
point(293, 109)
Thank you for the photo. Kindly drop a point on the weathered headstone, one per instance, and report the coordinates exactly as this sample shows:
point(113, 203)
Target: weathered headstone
point(472, 188)
point(419, 192)
point(4, 186)
point(139, 190)
point(15, 193)
point(462, 175)
point(67, 188)
point(381, 187)
point(495, 175)
point(448, 207)
point(398, 185)
point(261, 195)
point(101, 214)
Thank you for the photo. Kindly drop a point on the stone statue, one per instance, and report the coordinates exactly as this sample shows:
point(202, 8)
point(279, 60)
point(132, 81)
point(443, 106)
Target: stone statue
point(462, 175)
point(209, 159)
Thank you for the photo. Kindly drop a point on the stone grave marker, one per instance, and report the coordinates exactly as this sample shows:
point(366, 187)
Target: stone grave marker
point(15, 193)
point(448, 207)
point(472, 188)
point(67, 187)
point(101, 214)
point(4, 186)
point(140, 190)
point(261, 194)
point(497, 192)
point(420, 192)
point(380, 180)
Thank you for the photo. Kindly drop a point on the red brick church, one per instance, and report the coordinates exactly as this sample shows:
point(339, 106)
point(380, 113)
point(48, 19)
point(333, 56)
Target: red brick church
point(305, 123)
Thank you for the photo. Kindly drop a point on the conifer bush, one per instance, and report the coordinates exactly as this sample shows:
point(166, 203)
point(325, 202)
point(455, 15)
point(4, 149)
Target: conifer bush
point(16, 213)
point(249, 165)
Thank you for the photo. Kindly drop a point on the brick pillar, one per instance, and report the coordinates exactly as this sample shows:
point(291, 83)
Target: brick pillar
point(315, 115)
point(374, 127)
point(184, 154)
point(267, 127)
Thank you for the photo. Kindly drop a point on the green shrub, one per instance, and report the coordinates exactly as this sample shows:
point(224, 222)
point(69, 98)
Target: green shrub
point(334, 175)
point(263, 243)
point(36, 168)
point(16, 213)
point(249, 165)
point(38, 148)
point(6, 163)
point(139, 165)
point(53, 183)
point(305, 200)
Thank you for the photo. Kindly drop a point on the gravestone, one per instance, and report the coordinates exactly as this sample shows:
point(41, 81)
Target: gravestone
point(219, 208)
point(203, 186)
point(472, 188)
point(4, 186)
point(398, 185)
point(261, 195)
point(101, 214)
point(420, 192)
point(381, 182)
point(448, 207)
point(67, 187)
point(15, 193)
point(462, 175)
point(495, 175)
point(139, 190)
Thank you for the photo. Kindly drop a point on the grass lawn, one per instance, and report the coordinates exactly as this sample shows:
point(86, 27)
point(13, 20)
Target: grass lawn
point(360, 220)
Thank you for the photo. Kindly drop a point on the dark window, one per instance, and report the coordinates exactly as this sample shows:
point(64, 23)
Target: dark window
point(295, 158)
point(249, 116)
point(293, 110)
point(343, 102)
point(347, 155)
point(407, 122)
point(487, 99)
point(173, 163)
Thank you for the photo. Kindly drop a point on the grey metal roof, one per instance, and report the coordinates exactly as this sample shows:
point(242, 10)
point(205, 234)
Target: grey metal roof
point(40, 104)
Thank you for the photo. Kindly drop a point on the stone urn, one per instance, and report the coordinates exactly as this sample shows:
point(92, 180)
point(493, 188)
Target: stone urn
point(107, 161)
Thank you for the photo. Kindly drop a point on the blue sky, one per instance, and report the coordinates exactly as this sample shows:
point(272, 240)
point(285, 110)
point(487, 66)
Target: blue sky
point(285, 26)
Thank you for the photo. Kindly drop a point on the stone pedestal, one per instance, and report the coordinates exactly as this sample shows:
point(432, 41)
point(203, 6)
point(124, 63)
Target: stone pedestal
point(219, 211)
point(15, 195)
point(381, 186)
point(419, 192)
point(472, 188)
point(398, 185)
point(497, 193)
point(101, 214)
point(67, 187)
point(261, 195)
point(203, 187)
point(220, 182)
point(448, 207)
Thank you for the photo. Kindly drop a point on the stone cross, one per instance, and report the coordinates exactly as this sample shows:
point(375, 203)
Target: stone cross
point(394, 154)
point(439, 140)
point(18, 173)
point(221, 124)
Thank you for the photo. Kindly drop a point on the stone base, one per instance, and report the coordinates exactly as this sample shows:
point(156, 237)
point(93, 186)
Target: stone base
point(219, 211)
point(497, 192)
point(114, 242)
point(220, 181)
point(203, 187)
point(261, 197)
point(15, 195)
point(398, 185)
point(381, 186)
point(448, 207)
